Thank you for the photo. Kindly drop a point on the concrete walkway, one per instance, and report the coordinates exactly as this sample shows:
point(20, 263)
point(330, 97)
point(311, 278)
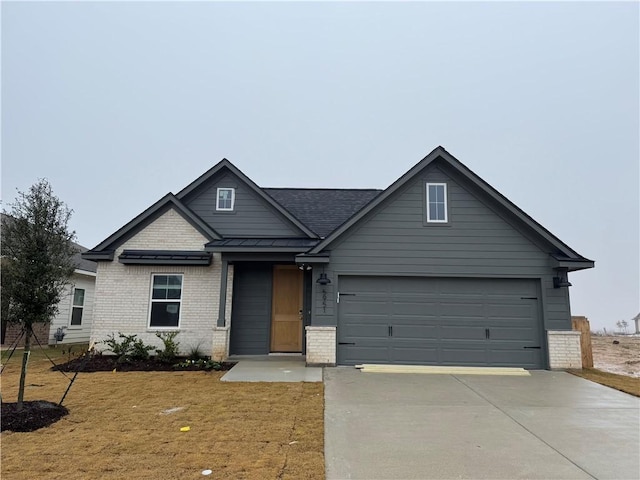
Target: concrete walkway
point(550, 425)
point(272, 369)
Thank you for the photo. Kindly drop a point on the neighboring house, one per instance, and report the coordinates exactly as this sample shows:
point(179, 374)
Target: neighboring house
point(439, 268)
point(75, 310)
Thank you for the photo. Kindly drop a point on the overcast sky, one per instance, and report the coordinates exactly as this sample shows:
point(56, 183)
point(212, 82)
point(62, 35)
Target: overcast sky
point(119, 103)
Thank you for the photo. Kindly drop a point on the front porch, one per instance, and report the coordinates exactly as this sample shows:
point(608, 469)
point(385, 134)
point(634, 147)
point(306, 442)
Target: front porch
point(271, 368)
point(265, 305)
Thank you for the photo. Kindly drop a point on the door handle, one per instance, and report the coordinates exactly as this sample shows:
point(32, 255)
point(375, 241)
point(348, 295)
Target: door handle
point(487, 333)
point(390, 330)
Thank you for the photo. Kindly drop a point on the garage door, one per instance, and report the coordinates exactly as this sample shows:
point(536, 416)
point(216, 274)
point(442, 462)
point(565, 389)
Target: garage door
point(439, 321)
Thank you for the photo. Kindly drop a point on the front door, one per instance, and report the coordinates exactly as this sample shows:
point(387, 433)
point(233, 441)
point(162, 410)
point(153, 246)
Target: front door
point(286, 310)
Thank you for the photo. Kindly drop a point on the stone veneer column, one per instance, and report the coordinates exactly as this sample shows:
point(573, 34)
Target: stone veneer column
point(321, 345)
point(564, 349)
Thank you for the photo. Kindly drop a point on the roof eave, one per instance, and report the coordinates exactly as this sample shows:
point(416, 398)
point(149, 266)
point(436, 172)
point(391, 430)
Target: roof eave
point(572, 264)
point(237, 249)
point(79, 271)
point(304, 258)
point(98, 255)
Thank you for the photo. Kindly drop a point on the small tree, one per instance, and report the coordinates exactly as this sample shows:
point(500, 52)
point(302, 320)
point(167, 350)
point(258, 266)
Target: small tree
point(624, 324)
point(37, 253)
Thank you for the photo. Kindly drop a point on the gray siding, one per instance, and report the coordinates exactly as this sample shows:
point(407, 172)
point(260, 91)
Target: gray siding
point(251, 310)
point(476, 242)
point(252, 216)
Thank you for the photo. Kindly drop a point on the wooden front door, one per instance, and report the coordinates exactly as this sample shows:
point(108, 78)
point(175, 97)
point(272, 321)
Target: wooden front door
point(286, 309)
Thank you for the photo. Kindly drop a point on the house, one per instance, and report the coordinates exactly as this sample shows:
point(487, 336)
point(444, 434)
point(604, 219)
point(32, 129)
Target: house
point(439, 268)
point(74, 310)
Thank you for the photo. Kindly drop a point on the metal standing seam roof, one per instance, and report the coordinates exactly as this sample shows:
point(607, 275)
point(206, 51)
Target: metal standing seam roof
point(322, 209)
point(165, 257)
point(293, 244)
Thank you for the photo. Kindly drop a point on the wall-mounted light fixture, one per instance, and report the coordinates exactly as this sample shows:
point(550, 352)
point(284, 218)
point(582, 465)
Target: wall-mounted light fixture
point(304, 266)
point(323, 279)
point(562, 280)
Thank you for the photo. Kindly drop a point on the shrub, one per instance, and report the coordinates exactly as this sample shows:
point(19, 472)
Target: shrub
point(170, 351)
point(128, 348)
point(195, 352)
point(203, 363)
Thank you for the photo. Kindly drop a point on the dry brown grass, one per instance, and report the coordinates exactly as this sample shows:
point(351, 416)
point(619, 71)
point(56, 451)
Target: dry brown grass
point(115, 428)
point(619, 382)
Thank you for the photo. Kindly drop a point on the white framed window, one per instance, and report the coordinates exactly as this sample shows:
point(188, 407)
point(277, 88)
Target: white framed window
point(77, 307)
point(166, 300)
point(226, 199)
point(437, 203)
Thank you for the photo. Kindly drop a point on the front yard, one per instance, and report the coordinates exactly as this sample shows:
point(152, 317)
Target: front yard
point(128, 425)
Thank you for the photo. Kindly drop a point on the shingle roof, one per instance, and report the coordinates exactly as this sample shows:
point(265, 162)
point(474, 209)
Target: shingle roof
point(81, 263)
point(322, 209)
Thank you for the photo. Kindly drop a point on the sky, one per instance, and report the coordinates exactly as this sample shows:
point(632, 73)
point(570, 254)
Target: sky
point(118, 103)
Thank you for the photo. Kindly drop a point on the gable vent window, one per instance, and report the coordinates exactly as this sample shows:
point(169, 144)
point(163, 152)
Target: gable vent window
point(437, 203)
point(226, 199)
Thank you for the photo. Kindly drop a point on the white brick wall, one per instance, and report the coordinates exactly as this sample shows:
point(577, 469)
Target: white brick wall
point(220, 344)
point(564, 349)
point(123, 291)
point(321, 345)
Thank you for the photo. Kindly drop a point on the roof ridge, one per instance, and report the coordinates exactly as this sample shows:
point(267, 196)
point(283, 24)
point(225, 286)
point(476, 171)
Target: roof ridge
point(322, 188)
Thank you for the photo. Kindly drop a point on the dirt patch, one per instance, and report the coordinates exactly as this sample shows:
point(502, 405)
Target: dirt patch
point(622, 358)
point(619, 382)
point(34, 415)
point(115, 428)
point(107, 363)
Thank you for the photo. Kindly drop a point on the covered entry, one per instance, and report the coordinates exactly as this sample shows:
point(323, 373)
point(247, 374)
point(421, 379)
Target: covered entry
point(267, 309)
point(439, 321)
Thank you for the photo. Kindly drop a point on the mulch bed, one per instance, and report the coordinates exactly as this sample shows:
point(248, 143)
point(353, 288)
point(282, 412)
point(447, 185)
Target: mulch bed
point(107, 363)
point(34, 415)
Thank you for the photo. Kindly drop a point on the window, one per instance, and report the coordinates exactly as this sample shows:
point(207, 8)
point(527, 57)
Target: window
point(166, 295)
point(77, 308)
point(226, 199)
point(437, 202)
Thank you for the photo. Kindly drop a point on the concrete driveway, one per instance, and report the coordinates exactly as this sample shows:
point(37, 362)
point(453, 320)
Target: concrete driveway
point(551, 425)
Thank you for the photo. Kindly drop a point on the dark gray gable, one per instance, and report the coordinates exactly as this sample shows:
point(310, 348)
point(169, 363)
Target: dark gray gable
point(105, 249)
point(256, 213)
point(322, 209)
point(440, 154)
